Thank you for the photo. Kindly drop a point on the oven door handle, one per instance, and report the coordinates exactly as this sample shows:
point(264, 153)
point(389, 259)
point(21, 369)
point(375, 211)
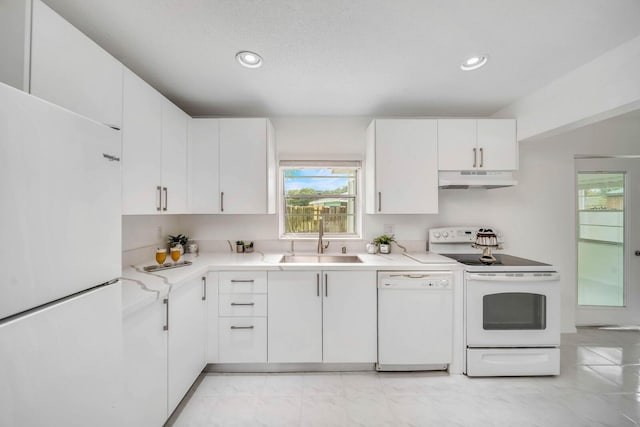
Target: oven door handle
point(544, 277)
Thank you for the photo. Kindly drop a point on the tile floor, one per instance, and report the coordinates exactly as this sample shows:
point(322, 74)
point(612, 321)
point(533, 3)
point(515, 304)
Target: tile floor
point(599, 386)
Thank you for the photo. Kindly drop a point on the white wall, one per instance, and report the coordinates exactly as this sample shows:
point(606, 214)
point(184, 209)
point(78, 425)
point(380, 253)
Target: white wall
point(600, 89)
point(537, 216)
point(142, 234)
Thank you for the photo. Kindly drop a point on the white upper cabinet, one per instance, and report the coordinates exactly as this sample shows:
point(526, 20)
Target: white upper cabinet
point(497, 144)
point(72, 71)
point(247, 159)
point(204, 154)
point(232, 166)
point(485, 144)
point(402, 167)
point(174, 158)
point(154, 151)
point(141, 147)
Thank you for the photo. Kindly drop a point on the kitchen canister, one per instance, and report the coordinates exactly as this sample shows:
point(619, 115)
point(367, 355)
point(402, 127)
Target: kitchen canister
point(371, 248)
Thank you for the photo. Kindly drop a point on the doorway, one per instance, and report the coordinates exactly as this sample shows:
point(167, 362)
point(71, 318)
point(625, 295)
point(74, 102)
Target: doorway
point(608, 240)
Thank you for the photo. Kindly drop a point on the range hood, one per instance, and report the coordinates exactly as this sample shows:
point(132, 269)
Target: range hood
point(475, 179)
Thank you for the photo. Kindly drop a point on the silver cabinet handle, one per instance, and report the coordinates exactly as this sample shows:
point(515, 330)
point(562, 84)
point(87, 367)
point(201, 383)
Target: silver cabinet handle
point(159, 205)
point(166, 198)
point(475, 157)
point(204, 288)
point(242, 327)
point(243, 303)
point(242, 281)
point(326, 285)
point(379, 201)
point(222, 201)
point(110, 157)
point(318, 284)
point(481, 157)
point(166, 303)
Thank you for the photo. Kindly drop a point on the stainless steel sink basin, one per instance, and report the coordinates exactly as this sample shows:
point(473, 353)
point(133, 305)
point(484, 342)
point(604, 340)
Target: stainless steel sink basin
point(316, 259)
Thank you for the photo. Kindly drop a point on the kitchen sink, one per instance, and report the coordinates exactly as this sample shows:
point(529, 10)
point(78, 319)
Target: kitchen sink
point(316, 259)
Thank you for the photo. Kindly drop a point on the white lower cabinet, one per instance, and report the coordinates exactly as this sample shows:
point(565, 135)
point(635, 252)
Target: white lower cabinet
point(243, 339)
point(322, 316)
point(186, 337)
point(349, 317)
point(212, 317)
point(295, 316)
point(242, 317)
point(145, 366)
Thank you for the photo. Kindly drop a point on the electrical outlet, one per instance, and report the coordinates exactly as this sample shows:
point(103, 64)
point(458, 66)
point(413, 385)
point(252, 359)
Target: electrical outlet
point(389, 229)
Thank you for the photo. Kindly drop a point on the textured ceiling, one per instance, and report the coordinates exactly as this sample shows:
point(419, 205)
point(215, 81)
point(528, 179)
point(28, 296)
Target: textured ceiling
point(351, 57)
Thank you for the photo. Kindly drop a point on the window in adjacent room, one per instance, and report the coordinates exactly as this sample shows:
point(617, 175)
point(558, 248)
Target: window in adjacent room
point(310, 190)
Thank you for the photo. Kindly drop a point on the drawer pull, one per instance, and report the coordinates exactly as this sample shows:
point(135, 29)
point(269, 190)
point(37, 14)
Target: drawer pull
point(242, 327)
point(242, 281)
point(243, 303)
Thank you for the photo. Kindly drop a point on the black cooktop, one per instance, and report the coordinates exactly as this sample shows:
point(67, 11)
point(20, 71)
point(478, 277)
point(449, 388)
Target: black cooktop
point(501, 260)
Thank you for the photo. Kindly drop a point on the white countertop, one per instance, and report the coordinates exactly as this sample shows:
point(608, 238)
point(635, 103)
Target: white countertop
point(140, 288)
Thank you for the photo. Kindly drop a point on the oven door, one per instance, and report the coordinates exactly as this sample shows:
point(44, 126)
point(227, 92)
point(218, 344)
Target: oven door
point(512, 309)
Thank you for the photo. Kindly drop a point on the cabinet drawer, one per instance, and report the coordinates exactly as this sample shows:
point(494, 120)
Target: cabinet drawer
point(243, 339)
point(243, 282)
point(242, 305)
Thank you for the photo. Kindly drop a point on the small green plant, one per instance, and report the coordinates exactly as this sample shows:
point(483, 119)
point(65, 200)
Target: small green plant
point(248, 245)
point(384, 239)
point(239, 242)
point(180, 239)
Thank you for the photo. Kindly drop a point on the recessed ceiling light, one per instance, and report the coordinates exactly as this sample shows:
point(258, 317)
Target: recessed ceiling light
point(249, 59)
point(474, 62)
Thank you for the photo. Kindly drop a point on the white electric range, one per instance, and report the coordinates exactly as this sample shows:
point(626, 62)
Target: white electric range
point(512, 308)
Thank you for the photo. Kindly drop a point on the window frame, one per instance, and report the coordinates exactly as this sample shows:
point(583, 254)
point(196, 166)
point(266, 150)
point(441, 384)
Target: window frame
point(305, 164)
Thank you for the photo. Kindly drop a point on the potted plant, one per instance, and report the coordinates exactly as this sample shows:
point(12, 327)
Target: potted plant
point(384, 243)
point(248, 247)
point(178, 241)
point(239, 246)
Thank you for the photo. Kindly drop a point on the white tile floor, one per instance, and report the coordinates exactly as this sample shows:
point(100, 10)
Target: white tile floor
point(599, 386)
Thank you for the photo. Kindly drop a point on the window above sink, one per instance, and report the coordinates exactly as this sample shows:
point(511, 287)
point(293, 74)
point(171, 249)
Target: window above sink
point(327, 189)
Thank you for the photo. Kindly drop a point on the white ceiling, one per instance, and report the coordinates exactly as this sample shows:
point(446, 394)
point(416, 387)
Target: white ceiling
point(352, 57)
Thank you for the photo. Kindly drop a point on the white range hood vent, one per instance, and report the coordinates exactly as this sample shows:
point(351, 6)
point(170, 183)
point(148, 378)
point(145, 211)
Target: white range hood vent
point(462, 180)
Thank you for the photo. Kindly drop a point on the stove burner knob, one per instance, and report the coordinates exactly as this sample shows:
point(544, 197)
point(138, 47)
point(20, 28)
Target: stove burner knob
point(445, 234)
point(436, 234)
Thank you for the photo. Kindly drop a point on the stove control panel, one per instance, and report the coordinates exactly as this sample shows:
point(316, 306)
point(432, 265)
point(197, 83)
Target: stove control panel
point(458, 234)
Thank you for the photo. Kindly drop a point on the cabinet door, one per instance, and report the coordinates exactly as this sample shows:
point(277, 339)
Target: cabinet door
point(145, 366)
point(243, 166)
point(174, 158)
point(141, 147)
point(212, 318)
point(295, 317)
point(406, 166)
point(186, 338)
point(204, 185)
point(70, 70)
point(62, 365)
point(497, 144)
point(457, 145)
point(349, 317)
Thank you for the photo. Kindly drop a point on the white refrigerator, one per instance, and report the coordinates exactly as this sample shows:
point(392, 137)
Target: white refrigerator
point(60, 257)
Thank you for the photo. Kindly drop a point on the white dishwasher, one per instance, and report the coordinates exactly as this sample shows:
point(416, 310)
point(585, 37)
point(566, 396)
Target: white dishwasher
point(415, 320)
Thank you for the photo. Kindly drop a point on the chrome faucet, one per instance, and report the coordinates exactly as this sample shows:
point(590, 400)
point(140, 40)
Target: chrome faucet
point(321, 245)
